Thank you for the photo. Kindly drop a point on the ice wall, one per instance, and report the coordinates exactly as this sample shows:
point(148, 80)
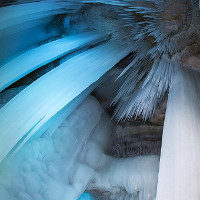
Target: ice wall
point(58, 167)
point(62, 166)
point(179, 173)
point(32, 111)
point(35, 58)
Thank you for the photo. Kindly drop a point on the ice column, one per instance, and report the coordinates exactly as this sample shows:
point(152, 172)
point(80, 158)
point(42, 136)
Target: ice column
point(179, 173)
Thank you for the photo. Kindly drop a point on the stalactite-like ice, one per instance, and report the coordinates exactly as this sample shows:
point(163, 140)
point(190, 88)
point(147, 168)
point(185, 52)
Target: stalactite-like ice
point(179, 173)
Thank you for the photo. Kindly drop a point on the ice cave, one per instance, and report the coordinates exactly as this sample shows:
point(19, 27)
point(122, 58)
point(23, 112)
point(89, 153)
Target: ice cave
point(99, 100)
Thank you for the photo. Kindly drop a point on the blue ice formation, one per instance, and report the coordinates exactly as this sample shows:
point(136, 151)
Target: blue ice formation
point(25, 63)
point(47, 101)
point(85, 196)
point(153, 39)
point(64, 165)
point(43, 99)
point(54, 167)
point(162, 34)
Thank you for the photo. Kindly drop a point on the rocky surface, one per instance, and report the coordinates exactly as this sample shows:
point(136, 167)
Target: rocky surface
point(131, 140)
point(159, 115)
point(134, 137)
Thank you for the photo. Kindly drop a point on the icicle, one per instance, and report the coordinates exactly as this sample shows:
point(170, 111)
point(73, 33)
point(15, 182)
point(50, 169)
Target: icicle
point(179, 164)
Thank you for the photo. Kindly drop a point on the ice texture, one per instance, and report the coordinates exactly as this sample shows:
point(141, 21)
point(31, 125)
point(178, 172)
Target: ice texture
point(179, 164)
point(32, 11)
point(44, 54)
point(61, 166)
point(57, 167)
point(7, 95)
point(136, 177)
point(31, 112)
point(85, 196)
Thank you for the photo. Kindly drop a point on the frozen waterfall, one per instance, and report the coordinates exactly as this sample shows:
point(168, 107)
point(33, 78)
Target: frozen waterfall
point(179, 173)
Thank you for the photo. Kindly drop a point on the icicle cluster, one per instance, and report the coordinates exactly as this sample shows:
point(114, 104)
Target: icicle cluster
point(164, 33)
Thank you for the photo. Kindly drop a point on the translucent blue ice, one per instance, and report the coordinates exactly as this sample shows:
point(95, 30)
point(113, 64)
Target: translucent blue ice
point(86, 196)
point(42, 55)
point(30, 112)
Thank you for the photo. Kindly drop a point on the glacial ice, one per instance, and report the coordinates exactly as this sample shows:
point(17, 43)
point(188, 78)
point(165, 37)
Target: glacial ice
point(7, 95)
point(47, 167)
point(14, 15)
point(25, 25)
point(29, 113)
point(62, 166)
point(179, 163)
point(85, 196)
point(27, 62)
